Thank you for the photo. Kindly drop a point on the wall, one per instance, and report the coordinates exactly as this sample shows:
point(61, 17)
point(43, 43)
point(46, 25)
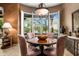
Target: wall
point(56, 8)
point(11, 14)
point(69, 8)
point(26, 8)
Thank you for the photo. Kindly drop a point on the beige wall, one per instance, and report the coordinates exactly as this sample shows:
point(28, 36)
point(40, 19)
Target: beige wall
point(26, 8)
point(11, 14)
point(69, 8)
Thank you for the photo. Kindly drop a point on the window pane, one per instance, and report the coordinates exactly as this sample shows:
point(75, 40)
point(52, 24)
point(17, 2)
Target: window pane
point(55, 20)
point(27, 23)
point(40, 25)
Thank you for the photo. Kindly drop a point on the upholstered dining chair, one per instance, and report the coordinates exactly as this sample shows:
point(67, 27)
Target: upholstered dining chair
point(50, 35)
point(58, 50)
point(31, 35)
point(26, 51)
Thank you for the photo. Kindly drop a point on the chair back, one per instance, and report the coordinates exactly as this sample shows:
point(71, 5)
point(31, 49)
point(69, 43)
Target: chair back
point(30, 35)
point(61, 45)
point(50, 35)
point(23, 47)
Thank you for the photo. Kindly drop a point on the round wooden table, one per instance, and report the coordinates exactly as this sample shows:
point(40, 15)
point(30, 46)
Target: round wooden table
point(50, 41)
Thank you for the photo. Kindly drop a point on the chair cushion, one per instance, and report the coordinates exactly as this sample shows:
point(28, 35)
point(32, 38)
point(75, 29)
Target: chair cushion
point(29, 35)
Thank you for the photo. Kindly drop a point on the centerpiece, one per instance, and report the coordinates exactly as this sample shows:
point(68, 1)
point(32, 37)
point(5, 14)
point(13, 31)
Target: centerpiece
point(42, 38)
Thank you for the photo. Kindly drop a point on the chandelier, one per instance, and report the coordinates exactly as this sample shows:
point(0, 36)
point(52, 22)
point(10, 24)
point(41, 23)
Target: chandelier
point(41, 10)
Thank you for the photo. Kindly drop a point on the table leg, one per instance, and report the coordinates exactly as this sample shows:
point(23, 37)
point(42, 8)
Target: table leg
point(41, 48)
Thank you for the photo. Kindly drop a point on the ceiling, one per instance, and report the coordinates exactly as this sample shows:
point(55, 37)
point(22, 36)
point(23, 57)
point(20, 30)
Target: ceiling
point(36, 4)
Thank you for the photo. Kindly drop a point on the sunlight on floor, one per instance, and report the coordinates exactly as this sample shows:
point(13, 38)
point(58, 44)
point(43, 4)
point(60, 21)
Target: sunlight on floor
point(67, 53)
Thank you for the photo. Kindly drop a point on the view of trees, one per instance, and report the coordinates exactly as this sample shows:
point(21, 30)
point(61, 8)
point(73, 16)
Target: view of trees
point(27, 25)
point(40, 25)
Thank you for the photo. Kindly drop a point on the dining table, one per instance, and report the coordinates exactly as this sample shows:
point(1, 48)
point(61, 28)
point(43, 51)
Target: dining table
point(50, 41)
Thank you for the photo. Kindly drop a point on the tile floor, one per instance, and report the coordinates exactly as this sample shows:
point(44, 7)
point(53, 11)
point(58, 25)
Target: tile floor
point(12, 51)
point(15, 51)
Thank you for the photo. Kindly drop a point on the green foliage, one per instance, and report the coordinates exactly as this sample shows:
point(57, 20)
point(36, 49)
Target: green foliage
point(28, 27)
point(45, 28)
point(1, 23)
point(52, 29)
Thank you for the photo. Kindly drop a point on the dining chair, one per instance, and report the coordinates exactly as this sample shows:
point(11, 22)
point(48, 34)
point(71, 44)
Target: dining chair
point(26, 51)
point(31, 35)
point(50, 35)
point(58, 50)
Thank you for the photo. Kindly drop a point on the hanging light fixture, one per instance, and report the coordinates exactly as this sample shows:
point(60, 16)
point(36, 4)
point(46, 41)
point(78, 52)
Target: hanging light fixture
point(41, 10)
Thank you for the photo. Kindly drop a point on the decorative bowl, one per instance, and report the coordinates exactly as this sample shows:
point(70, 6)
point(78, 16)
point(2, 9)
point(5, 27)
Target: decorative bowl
point(42, 38)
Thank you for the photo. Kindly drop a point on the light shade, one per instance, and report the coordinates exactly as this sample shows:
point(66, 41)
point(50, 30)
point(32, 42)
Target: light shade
point(6, 25)
point(41, 10)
